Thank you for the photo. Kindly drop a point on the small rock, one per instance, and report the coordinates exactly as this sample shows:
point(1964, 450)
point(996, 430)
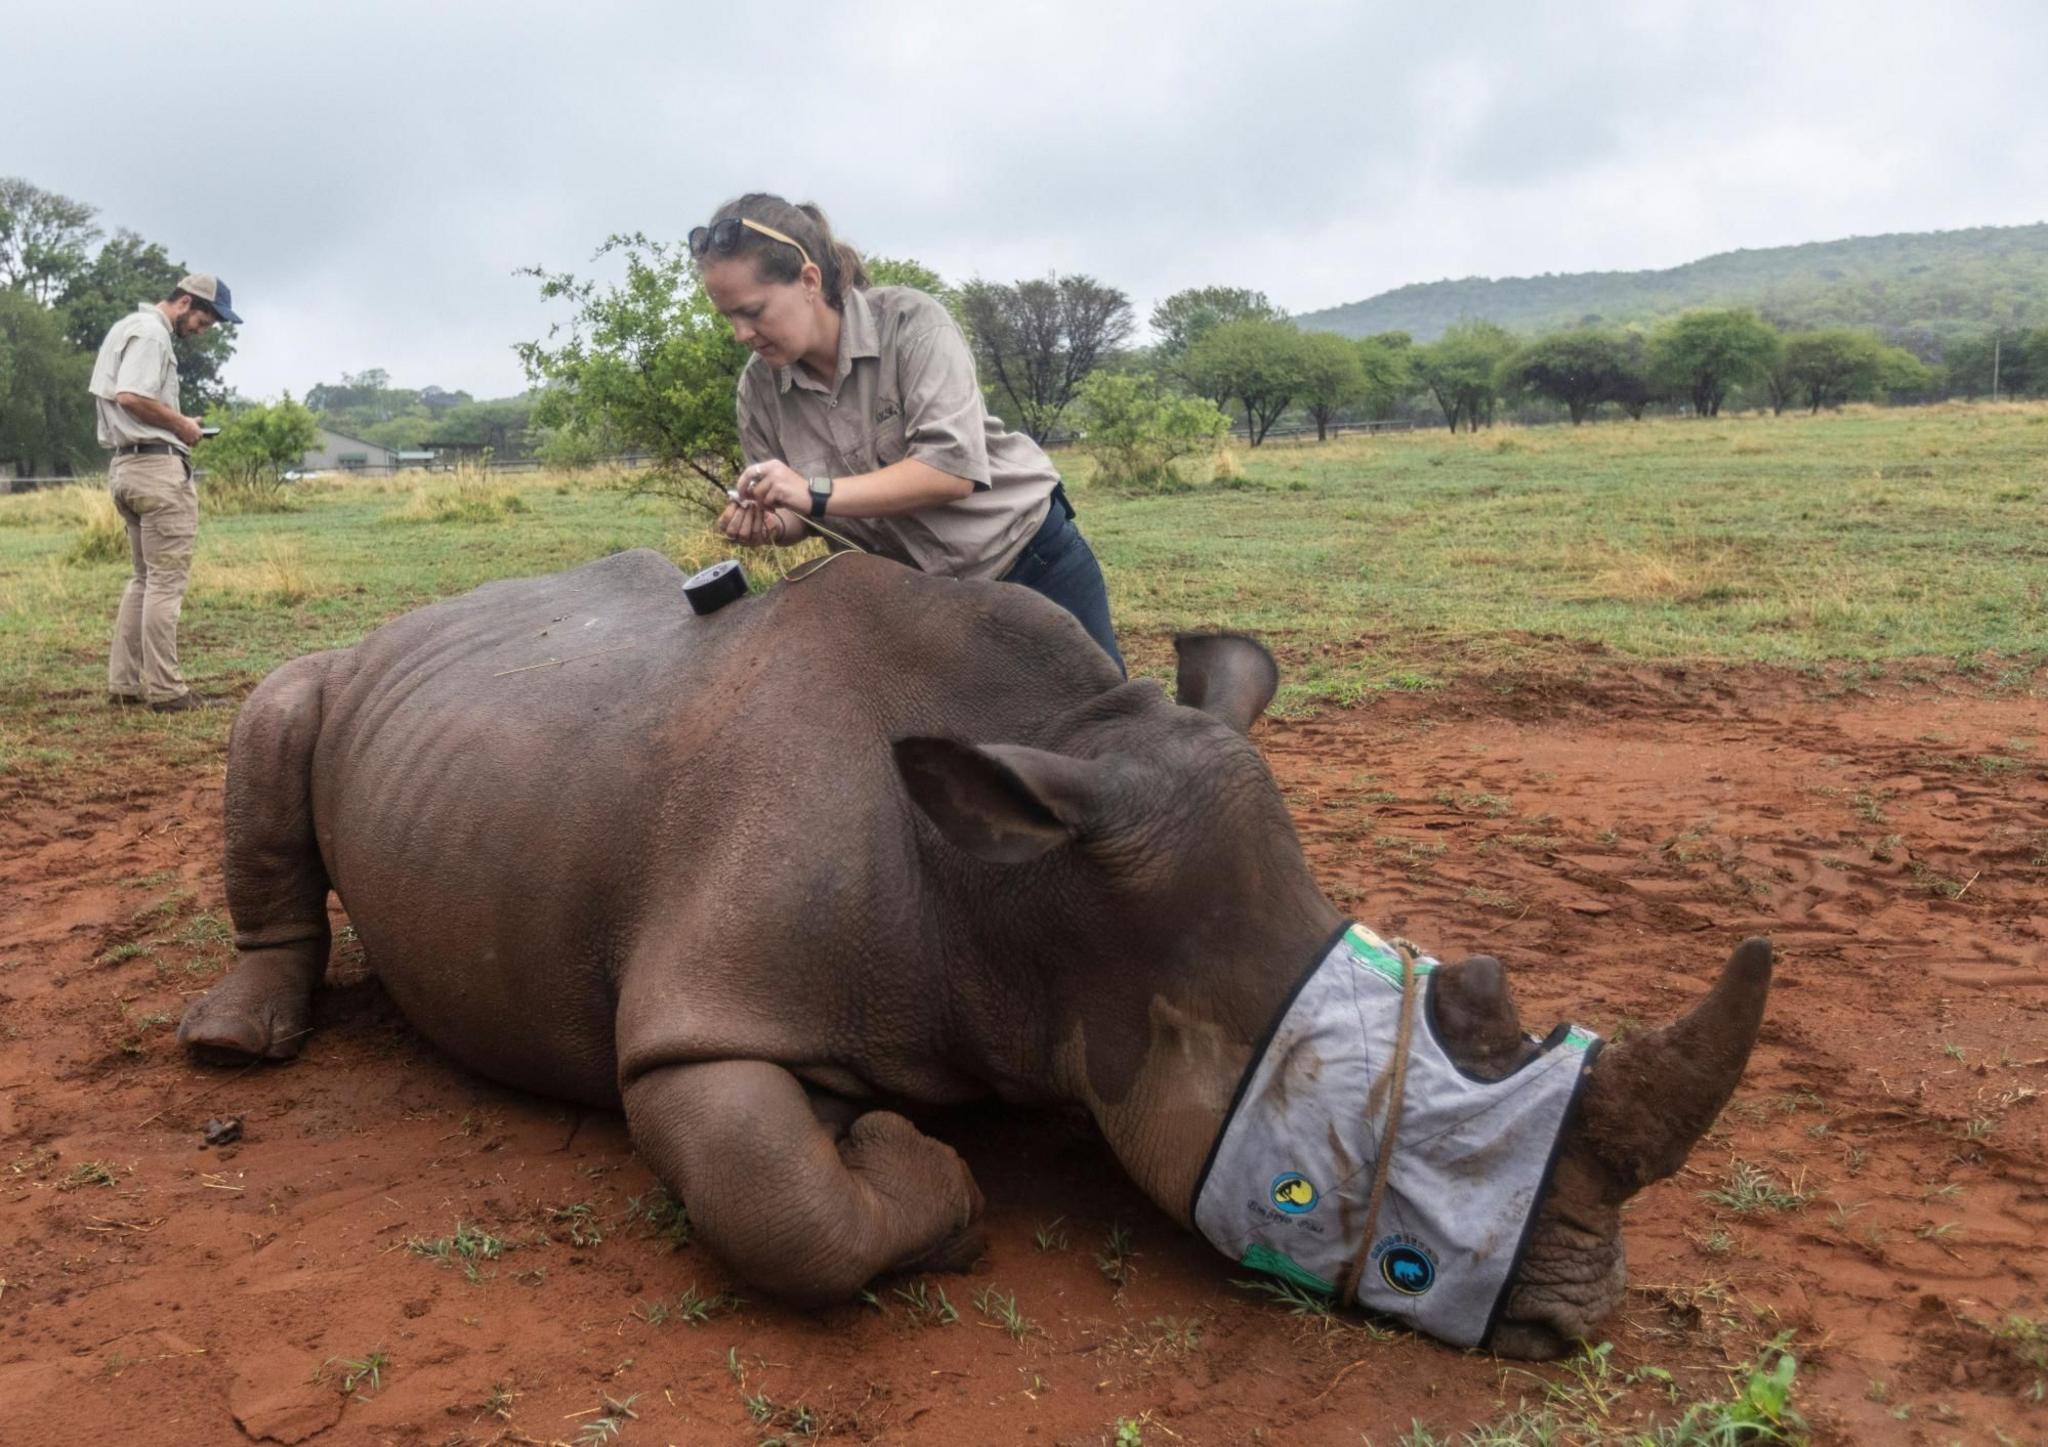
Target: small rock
point(224, 1132)
point(1588, 906)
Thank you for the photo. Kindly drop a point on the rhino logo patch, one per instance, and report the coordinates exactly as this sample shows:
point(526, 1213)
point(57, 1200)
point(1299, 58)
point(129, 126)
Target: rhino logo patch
point(1294, 1193)
point(1407, 1270)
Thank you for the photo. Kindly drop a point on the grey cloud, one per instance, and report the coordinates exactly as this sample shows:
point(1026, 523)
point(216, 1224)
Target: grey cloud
point(368, 176)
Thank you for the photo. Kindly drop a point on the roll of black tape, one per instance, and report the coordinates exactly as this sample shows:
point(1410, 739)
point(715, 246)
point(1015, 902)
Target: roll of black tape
point(716, 586)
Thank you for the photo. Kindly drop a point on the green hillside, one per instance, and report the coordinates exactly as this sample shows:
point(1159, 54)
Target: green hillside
point(1919, 289)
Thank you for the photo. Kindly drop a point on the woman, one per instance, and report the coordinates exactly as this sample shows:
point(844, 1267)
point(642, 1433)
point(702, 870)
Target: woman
point(860, 408)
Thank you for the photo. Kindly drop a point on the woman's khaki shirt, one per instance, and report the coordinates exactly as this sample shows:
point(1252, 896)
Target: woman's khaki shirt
point(905, 387)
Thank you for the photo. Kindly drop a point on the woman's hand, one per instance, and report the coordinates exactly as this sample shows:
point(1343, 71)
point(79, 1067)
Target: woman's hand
point(774, 484)
point(751, 526)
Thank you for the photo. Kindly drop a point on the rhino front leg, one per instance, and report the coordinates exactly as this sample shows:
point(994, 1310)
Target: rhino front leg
point(795, 1208)
point(276, 884)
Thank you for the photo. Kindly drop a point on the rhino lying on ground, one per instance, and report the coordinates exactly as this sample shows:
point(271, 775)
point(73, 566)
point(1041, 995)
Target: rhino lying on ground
point(863, 838)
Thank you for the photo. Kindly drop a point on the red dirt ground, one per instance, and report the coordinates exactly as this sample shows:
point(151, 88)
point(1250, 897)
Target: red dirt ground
point(1610, 837)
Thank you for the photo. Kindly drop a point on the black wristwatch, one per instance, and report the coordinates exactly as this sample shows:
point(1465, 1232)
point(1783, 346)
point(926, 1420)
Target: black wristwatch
point(821, 493)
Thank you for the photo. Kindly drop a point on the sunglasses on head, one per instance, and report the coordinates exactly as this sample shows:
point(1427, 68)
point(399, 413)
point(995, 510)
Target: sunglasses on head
point(723, 237)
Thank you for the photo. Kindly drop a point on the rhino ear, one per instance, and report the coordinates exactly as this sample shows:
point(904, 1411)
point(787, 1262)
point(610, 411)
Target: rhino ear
point(1000, 802)
point(1225, 674)
point(1476, 1019)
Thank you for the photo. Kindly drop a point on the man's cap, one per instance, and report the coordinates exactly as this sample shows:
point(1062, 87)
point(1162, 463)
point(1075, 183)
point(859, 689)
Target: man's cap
point(214, 292)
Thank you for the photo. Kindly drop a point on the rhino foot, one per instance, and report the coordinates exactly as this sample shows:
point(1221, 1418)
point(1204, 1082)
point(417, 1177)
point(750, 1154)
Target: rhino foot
point(262, 1010)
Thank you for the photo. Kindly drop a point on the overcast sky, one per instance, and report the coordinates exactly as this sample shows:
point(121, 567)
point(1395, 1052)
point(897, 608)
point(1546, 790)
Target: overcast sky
point(367, 176)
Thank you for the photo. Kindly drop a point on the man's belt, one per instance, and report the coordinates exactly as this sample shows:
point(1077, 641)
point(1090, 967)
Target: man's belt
point(131, 448)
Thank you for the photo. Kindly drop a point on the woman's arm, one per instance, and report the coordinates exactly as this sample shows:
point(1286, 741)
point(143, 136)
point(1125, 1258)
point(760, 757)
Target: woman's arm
point(902, 487)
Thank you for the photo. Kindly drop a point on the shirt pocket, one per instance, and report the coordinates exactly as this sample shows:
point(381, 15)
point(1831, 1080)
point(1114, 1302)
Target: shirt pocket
point(888, 444)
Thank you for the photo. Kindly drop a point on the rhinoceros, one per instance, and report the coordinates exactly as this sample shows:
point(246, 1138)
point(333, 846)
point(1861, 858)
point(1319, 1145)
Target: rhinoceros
point(868, 839)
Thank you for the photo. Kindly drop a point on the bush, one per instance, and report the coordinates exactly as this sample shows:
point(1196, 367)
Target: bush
point(1135, 432)
point(245, 462)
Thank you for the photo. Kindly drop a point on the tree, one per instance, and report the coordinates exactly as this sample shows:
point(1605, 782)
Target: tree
point(1332, 378)
point(904, 271)
point(1136, 431)
point(1632, 389)
point(1387, 363)
point(129, 272)
point(1462, 371)
point(44, 238)
point(1702, 354)
point(46, 416)
point(500, 424)
point(1187, 316)
point(647, 364)
point(259, 442)
point(1038, 340)
point(1262, 365)
point(1830, 367)
point(1580, 369)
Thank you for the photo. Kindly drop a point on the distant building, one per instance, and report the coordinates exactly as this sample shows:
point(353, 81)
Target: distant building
point(338, 452)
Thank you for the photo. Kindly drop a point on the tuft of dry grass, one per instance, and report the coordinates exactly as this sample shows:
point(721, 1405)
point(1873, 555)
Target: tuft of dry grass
point(468, 500)
point(277, 574)
point(99, 534)
point(1685, 572)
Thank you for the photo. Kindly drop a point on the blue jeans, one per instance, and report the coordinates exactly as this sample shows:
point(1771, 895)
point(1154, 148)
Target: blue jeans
point(1058, 564)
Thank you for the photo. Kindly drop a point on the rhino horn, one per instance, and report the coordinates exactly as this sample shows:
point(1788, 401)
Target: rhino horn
point(1653, 1094)
point(1226, 675)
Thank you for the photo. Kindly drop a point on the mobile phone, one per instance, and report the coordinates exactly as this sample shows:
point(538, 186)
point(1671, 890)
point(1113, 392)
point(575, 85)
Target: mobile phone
point(209, 432)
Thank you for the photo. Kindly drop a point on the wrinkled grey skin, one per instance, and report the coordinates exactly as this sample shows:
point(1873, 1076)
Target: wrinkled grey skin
point(865, 838)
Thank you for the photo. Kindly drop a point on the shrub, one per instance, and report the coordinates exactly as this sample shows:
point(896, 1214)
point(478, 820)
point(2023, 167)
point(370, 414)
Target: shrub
point(1135, 432)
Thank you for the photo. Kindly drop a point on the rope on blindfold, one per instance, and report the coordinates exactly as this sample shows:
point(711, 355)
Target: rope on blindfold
point(1396, 1093)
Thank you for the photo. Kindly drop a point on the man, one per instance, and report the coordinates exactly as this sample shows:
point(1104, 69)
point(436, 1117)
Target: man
point(135, 390)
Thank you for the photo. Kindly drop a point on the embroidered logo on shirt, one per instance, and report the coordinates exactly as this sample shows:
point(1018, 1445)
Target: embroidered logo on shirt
point(889, 409)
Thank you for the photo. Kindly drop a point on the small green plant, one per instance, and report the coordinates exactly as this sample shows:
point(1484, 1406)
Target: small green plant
point(1052, 1236)
point(1760, 1410)
point(1130, 1432)
point(1751, 1188)
point(469, 1245)
point(89, 1173)
point(369, 1368)
point(498, 1402)
point(1114, 1259)
point(929, 1306)
point(1296, 1300)
point(789, 1419)
point(663, 1216)
point(1176, 1336)
point(1002, 1311)
point(580, 1221)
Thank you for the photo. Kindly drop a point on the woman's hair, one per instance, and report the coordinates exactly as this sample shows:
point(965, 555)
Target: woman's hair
point(838, 263)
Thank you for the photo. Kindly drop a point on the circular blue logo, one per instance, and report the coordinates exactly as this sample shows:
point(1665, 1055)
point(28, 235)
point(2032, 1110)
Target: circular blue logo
point(1407, 1270)
point(1293, 1193)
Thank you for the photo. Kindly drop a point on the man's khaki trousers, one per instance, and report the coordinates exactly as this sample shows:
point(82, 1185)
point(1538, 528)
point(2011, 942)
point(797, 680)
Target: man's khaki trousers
point(156, 498)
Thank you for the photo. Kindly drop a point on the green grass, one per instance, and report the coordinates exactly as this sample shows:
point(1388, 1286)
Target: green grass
point(469, 1245)
point(1750, 1188)
point(1392, 562)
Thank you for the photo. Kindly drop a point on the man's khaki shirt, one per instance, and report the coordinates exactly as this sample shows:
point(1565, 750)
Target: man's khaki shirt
point(136, 357)
point(905, 387)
